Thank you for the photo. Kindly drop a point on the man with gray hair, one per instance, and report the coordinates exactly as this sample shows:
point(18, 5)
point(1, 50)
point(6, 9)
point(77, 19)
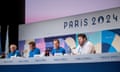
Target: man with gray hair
point(13, 51)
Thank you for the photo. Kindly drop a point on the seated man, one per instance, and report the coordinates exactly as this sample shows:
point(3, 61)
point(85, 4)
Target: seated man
point(13, 51)
point(33, 49)
point(57, 48)
point(85, 46)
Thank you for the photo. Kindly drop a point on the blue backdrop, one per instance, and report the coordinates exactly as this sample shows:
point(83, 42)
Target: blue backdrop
point(72, 67)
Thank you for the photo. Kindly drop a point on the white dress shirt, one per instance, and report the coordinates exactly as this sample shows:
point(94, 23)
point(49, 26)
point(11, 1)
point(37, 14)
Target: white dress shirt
point(87, 48)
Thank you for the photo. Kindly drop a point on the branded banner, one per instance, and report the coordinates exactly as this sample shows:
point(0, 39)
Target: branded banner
point(102, 29)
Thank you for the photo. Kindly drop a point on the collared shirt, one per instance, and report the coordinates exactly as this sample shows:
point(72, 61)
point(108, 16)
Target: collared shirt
point(87, 48)
point(33, 52)
point(15, 53)
point(59, 50)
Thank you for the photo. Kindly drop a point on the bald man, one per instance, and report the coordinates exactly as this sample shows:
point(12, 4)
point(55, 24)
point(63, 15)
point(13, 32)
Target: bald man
point(13, 51)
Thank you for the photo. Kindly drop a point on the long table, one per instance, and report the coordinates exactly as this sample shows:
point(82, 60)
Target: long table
point(91, 58)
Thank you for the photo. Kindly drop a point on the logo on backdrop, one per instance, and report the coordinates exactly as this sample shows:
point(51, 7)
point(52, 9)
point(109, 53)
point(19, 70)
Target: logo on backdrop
point(78, 23)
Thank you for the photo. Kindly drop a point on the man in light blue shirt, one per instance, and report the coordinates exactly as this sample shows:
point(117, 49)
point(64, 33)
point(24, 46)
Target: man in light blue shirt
point(33, 49)
point(57, 48)
point(13, 51)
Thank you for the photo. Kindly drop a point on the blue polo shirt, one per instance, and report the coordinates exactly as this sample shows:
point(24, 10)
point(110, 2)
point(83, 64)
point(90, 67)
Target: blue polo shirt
point(34, 52)
point(59, 50)
point(16, 52)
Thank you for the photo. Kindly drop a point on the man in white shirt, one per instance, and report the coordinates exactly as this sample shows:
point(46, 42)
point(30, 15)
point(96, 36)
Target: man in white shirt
point(85, 46)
